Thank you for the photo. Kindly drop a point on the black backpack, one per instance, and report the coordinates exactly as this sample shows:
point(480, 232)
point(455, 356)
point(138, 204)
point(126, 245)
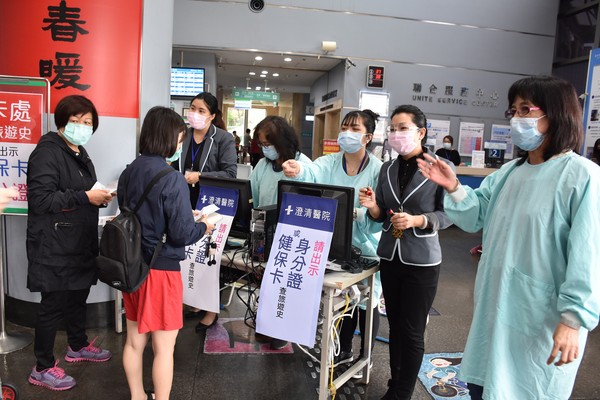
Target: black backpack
point(120, 263)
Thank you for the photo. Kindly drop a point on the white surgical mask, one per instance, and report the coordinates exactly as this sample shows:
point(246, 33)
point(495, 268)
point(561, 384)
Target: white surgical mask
point(77, 134)
point(525, 134)
point(447, 146)
point(270, 152)
point(350, 142)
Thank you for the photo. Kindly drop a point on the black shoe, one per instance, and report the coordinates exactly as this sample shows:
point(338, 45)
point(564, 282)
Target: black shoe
point(278, 344)
point(202, 327)
point(189, 314)
point(394, 392)
point(345, 357)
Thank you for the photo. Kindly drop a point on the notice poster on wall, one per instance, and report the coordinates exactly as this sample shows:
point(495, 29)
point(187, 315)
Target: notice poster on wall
point(501, 133)
point(470, 137)
point(591, 112)
point(436, 130)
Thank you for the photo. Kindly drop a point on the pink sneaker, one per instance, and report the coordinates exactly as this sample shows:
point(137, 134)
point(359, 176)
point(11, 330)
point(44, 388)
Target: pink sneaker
point(52, 378)
point(88, 353)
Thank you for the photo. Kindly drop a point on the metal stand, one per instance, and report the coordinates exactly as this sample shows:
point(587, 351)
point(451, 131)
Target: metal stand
point(13, 341)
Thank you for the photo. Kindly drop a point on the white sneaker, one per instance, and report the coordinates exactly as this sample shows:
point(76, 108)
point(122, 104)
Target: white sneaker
point(359, 373)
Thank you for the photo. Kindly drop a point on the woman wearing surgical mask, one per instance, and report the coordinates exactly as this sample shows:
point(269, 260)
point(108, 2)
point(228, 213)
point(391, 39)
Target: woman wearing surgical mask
point(357, 167)
point(279, 143)
point(208, 150)
point(537, 292)
point(62, 239)
point(412, 212)
point(448, 152)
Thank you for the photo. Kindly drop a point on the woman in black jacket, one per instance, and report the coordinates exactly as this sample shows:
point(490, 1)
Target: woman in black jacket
point(62, 238)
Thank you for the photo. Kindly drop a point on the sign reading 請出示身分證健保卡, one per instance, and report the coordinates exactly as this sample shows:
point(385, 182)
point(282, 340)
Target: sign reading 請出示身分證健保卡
point(290, 291)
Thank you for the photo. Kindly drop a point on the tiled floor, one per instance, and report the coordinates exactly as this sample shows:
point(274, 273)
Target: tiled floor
point(207, 376)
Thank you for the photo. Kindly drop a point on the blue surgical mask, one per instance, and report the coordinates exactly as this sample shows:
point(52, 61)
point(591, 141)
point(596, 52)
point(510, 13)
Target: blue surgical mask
point(525, 134)
point(175, 156)
point(350, 142)
point(77, 134)
point(270, 152)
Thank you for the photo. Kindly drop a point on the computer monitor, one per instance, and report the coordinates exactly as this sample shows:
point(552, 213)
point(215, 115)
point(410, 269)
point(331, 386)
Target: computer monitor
point(186, 82)
point(341, 242)
point(494, 154)
point(241, 221)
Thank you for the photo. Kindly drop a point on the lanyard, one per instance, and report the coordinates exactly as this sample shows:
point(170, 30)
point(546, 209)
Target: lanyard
point(195, 152)
point(359, 167)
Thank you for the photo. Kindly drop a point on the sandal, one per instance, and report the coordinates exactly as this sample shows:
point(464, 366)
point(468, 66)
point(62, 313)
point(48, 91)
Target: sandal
point(150, 394)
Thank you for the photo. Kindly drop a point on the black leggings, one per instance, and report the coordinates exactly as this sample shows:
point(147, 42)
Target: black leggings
point(349, 326)
point(409, 292)
point(475, 391)
point(68, 304)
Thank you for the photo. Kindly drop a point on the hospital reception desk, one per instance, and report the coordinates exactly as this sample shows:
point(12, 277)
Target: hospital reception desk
point(472, 176)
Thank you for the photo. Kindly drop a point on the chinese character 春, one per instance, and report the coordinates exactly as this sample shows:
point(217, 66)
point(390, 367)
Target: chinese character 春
point(64, 23)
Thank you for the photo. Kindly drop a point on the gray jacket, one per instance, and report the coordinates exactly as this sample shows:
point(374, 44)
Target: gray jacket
point(218, 156)
point(418, 247)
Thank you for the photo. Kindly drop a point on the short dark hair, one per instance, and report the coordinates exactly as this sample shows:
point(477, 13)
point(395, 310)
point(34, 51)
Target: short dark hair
point(418, 117)
point(450, 139)
point(558, 99)
point(369, 120)
point(211, 101)
point(160, 131)
point(74, 105)
point(281, 135)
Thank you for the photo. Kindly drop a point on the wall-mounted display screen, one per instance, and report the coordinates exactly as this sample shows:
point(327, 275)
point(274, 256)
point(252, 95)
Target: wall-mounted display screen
point(187, 82)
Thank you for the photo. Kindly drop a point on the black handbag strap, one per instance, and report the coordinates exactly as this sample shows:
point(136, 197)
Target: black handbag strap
point(149, 187)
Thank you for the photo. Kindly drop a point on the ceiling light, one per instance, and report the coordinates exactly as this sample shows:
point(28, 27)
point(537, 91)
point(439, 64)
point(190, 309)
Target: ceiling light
point(275, 74)
point(258, 58)
point(267, 88)
point(251, 73)
point(264, 72)
point(263, 76)
point(258, 88)
point(287, 59)
point(248, 88)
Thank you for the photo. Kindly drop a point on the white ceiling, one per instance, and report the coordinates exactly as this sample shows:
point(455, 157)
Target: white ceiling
point(297, 76)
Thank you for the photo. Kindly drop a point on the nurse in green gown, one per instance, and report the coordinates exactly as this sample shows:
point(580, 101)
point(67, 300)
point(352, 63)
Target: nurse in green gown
point(537, 291)
point(357, 167)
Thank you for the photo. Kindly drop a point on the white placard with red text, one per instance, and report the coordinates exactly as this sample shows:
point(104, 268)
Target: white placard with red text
point(200, 280)
point(290, 292)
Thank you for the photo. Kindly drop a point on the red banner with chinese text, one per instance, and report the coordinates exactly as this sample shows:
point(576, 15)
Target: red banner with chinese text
point(90, 48)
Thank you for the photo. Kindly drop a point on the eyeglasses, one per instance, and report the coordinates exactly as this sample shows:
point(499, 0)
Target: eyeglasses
point(401, 128)
point(521, 111)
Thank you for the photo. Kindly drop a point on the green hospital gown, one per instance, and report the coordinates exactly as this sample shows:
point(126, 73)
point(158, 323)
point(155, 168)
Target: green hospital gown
point(540, 261)
point(328, 170)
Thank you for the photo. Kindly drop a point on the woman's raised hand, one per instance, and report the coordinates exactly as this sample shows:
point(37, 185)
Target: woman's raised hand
point(438, 172)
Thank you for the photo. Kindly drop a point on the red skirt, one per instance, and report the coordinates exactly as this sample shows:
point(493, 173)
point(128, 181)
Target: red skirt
point(158, 304)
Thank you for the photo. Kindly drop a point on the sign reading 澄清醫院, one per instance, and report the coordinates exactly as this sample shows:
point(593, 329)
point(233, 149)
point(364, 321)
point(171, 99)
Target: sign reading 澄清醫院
point(290, 291)
point(21, 127)
point(200, 270)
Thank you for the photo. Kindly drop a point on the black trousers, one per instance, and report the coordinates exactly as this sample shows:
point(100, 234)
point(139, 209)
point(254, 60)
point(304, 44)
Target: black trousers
point(67, 304)
point(475, 391)
point(349, 326)
point(409, 292)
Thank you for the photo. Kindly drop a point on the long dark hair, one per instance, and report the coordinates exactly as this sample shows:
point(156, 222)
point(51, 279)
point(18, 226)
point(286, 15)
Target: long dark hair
point(596, 151)
point(369, 120)
point(558, 99)
point(160, 131)
point(281, 135)
point(418, 117)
